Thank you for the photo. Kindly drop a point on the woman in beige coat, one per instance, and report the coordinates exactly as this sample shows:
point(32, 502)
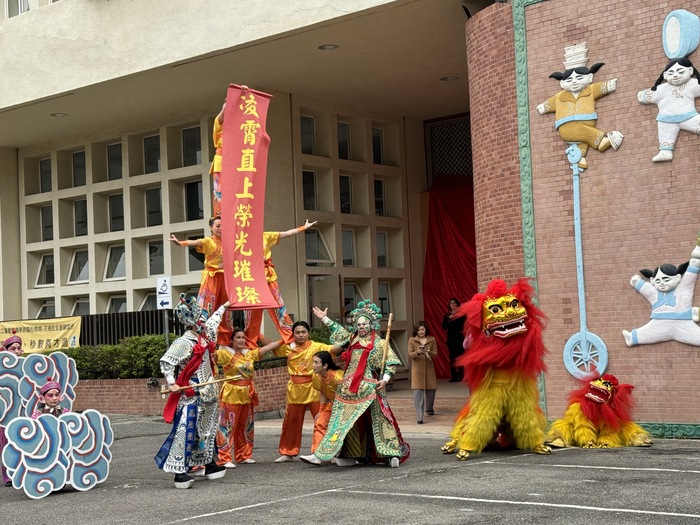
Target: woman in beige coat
point(422, 349)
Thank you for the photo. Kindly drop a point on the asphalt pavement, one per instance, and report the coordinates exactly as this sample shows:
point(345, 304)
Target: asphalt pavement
point(660, 484)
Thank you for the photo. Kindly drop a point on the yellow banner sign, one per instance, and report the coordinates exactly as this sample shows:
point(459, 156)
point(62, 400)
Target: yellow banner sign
point(44, 334)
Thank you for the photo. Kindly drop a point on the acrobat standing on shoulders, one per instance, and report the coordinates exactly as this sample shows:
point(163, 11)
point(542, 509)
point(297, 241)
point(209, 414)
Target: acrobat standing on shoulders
point(575, 106)
point(670, 291)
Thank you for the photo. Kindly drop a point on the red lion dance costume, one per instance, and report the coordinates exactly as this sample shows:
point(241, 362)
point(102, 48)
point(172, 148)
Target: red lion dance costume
point(505, 357)
point(598, 416)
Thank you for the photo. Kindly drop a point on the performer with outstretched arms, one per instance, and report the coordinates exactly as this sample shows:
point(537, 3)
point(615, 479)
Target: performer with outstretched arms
point(193, 411)
point(212, 288)
point(362, 426)
point(279, 316)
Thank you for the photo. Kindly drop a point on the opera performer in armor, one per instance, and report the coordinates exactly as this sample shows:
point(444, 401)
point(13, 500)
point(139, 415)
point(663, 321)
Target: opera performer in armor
point(193, 411)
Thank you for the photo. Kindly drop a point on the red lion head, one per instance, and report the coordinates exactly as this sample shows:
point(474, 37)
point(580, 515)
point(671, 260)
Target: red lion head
point(505, 331)
point(604, 400)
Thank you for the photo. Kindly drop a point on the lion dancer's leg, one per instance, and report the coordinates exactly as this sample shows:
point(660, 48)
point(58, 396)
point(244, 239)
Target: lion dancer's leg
point(524, 415)
point(572, 430)
point(474, 431)
point(628, 435)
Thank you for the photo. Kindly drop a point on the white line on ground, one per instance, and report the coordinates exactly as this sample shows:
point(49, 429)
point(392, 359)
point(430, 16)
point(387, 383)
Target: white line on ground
point(533, 503)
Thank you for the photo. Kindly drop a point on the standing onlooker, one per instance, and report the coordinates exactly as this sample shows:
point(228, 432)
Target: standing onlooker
point(455, 337)
point(422, 349)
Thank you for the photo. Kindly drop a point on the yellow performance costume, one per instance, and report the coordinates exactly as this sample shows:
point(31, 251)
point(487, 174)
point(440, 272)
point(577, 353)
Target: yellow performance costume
point(326, 385)
point(501, 368)
point(300, 392)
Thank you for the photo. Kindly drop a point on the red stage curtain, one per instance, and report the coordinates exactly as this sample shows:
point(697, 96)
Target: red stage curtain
point(450, 258)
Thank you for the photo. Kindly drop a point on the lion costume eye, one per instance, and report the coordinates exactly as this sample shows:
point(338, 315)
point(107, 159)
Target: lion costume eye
point(495, 309)
point(514, 303)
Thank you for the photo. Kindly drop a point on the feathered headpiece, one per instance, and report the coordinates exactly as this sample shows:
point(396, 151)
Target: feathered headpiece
point(369, 310)
point(190, 313)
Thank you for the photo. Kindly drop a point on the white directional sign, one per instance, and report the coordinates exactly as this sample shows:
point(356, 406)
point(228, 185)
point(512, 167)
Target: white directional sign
point(164, 296)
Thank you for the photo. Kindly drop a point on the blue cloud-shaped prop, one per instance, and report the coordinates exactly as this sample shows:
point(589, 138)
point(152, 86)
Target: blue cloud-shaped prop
point(45, 454)
point(37, 456)
point(10, 377)
point(91, 436)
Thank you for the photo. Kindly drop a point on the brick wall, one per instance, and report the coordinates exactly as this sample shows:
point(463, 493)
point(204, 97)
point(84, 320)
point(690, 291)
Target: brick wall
point(497, 208)
point(635, 213)
point(132, 396)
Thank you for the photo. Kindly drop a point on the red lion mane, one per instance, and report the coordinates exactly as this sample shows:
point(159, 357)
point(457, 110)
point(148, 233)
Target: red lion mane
point(614, 413)
point(523, 353)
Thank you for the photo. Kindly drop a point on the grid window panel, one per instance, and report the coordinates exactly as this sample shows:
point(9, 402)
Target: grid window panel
point(345, 194)
point(194, 208)
point(156, 263)
point(116, 213)
point(46, 272)
point(79, 172)
point(381, 239)
point(116, 305)
point(449, 148)
point(46, 223)
point(80, 267)
point(316, 249)
point(151, 154)
point(80, 218)
point(308, 135)
point(383, 299)
point(343, 140)
point(191, 146)
point(379, 203)
point(45, 175)
point(309, 190)
point(81, 306)
point(377, 146)
point(195, 260)
point(114, 161)
point(348, 248)
point(150, 302)
point(154, 209)
point(47, 310)
point(116, 263)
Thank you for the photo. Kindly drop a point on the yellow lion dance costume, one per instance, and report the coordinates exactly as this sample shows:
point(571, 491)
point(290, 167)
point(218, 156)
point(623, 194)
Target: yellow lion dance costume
point(598, 416)
point(504, 359)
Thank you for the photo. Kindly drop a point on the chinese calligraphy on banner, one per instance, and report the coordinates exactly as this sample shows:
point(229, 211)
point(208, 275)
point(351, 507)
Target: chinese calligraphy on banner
point(40, 335)
point(244, 169)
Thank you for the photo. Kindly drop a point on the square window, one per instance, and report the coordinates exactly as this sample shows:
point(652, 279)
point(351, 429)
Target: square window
point(45, 276)
point(116, 304)
point(79, 173)
point(46, 223)
point(309, 189)
point(45, 175)
point(47, 310)
point(17, 7)
point(194, 209)
point(151, 154)
point(156, 265)
point(345, 194)
point(116, 213)
point(154, 210)
point(383, 299)
point(316, 249)
point(114, 161)
point(191, 146)
point(308, 135)
point(149, 303)
point(195, 260)
point(381, 250)
point(80, 217)
point(351, 296)
point(377, 146)
point(81, 306)
point(379, 205)
point(79, 268)
point(343, 140)
point(116, 263)
point(348, 248)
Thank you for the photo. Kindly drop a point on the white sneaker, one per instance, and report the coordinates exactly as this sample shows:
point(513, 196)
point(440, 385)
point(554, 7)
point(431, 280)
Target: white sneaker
point(311, 460)
point(230, 464)
point(284, 459)
point(199, 473)
point(394, 463)
point(248, 461)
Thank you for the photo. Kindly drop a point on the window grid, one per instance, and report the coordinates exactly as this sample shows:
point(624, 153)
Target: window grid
point(116, 212)
point(116, 263)
point(46, 223)
point(80, 219)
point(79, 172)
point(45, 276)
point(154, 208)
point(80, 267)
point(114, 161)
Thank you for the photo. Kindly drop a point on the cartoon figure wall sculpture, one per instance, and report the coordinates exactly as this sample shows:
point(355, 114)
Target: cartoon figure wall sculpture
point(670, 291)
point(574, 108)
point(676, 89)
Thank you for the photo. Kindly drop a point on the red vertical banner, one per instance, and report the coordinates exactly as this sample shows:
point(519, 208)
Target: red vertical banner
point(244, 168)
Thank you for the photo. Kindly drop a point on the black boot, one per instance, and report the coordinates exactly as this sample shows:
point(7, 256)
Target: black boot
point(183, 481)
point(214, 471)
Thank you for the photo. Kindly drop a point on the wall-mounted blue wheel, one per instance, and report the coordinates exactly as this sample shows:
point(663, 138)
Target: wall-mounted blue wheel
point(584, 356)
point(681, 33)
